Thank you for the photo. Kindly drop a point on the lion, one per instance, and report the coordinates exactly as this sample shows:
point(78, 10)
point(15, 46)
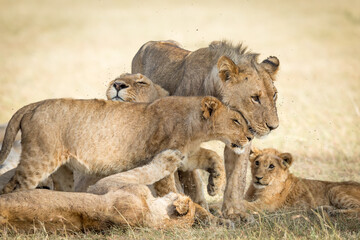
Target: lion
point(121, 199)
point(273, 187)
point(128, 88)
point(98, 136)
point(228, 72)
point(125, 88)
point(134, 88)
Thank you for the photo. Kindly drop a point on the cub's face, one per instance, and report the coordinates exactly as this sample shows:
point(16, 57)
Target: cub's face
point(228, 124)
point(269, 167)
point(248, 87)
point(134, 88)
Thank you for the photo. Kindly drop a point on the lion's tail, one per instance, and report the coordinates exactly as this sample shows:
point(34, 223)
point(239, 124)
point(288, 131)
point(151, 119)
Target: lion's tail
point(12, 129)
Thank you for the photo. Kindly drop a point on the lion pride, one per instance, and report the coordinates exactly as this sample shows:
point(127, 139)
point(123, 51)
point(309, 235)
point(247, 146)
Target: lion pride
point(228, 72)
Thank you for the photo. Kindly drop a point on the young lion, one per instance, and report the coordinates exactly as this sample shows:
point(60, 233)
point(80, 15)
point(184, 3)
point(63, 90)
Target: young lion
point(121, 199)
point(105, 137)
point(126, 88)
point(273, 187)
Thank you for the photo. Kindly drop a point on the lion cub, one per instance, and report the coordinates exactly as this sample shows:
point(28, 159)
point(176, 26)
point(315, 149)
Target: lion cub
point(121, 199)
point(273, 187)
point(106, 137)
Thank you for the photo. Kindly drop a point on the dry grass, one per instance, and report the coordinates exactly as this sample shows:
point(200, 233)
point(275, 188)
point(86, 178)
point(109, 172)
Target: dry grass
point(51, 49)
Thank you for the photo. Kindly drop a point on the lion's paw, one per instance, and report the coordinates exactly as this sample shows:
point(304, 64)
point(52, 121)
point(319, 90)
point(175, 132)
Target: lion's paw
point(171, 159)
point(215, 183)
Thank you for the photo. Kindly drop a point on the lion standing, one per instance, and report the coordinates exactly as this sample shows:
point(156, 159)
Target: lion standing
point(106, 137)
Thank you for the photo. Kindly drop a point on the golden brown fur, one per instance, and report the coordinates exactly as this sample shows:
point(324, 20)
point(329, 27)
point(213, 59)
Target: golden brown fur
point(134, 88)
point(81, 134)
point(273, 187)
point(225, 71)
point(122, 199)
point(128, 88)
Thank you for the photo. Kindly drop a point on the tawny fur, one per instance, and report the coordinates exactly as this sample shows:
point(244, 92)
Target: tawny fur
point(97, 136)
point(128, 88)
point(225, 71)
point(122, 199)
point(273, 187)
point(134, 88)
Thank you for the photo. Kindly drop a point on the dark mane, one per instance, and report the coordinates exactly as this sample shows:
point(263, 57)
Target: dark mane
point(237, 53)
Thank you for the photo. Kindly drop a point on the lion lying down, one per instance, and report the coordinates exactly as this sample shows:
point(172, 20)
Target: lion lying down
point(122, 199)
point(273, 187)
point(105, 137)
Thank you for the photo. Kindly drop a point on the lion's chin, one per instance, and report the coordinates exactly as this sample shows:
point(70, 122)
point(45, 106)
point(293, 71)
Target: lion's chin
point(259, 185)
point(238, 150)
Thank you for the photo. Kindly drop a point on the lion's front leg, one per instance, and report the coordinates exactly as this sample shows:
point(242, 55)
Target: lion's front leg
point(235, 167)
point(193, 186)
point(211, 162)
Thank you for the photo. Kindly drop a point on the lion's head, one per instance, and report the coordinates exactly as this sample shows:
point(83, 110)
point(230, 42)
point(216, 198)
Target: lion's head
point(248, 87)
point(134, 88)
point(269, 167)
point(227, 123)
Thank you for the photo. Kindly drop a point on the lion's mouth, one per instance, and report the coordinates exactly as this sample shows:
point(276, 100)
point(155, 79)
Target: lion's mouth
point(237, 148)
point(117, 98)
point(260, 184)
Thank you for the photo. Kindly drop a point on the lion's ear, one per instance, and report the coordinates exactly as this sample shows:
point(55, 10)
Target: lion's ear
point(254, 152)
point(286, 159)
point(209, 105)
point(271, 65)
point(226, 68)
point(143, 80)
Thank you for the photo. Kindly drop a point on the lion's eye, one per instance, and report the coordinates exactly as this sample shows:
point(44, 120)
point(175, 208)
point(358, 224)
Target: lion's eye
point(237, 122)
point(275, 95)
point(255, 99)
point(271, 166)
point(257, 163)
point(227, 75)
point(142, 83)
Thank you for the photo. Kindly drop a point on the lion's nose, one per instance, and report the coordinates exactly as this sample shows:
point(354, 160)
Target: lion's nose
point(272, 127)
point(258, 178)
point(118, 86)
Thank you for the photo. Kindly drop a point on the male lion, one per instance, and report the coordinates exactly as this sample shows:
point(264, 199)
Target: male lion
point(273, 187)
point(229, 73)
point(107, 137)
point(121, 199)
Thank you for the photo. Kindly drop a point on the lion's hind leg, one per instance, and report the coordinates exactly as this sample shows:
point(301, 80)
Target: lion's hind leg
point(34, 167)
point(345, 197)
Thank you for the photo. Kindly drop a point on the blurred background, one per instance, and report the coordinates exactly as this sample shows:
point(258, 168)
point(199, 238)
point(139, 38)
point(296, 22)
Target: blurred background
point(62, 48)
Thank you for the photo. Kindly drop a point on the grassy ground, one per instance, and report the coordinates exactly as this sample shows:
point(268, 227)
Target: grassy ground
point(52, 49)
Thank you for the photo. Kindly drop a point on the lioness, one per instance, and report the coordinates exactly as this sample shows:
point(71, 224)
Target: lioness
point(229, 73)
point(273, 187)
point(134, 88)
point(98, 136)
point(122, 199)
